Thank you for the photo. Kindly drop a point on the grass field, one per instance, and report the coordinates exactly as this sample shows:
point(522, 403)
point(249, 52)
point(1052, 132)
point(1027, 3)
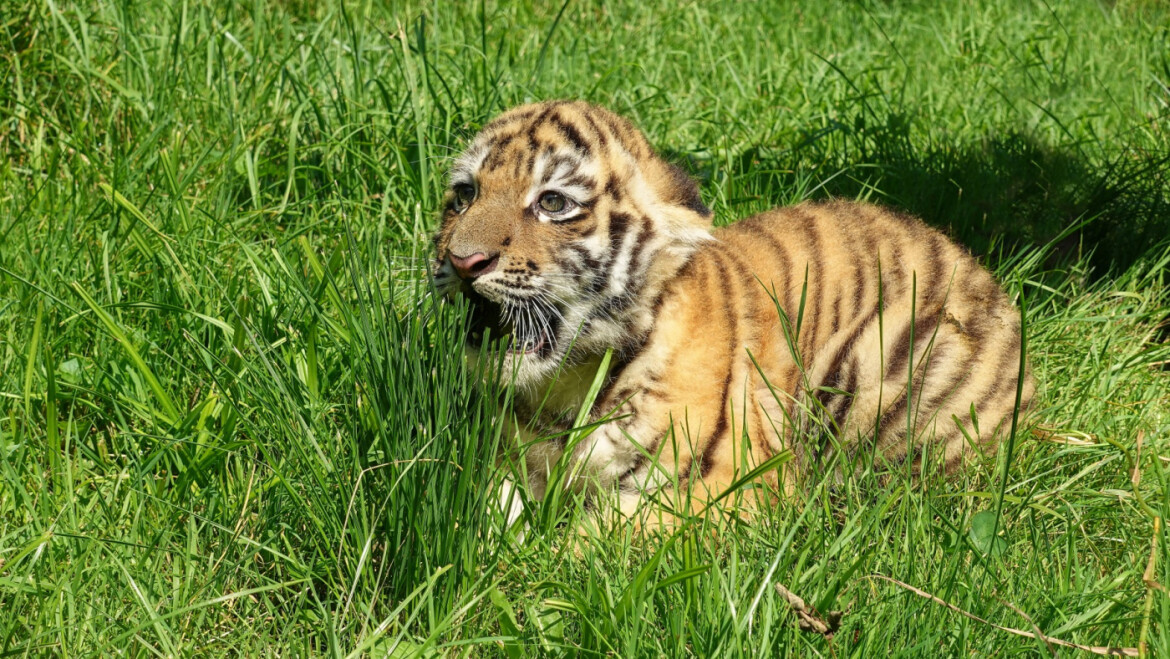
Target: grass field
point(231, 422)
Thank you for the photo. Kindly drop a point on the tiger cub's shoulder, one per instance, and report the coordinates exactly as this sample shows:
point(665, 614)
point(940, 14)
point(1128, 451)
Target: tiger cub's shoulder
point(858, 217)
point(835, 238)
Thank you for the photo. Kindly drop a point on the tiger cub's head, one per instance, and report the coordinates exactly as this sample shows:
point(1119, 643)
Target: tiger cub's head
point(561, 224)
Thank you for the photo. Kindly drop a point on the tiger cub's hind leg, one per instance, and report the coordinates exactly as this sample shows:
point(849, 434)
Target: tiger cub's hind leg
point(910, 391)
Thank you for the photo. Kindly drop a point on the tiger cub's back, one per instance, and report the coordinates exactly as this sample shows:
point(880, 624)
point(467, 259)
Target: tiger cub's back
point(844, 362)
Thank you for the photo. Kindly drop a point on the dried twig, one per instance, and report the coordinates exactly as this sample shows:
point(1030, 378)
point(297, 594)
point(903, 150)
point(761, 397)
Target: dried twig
point(1136, 477)
point(1070, 437)
point(1035, 628)
point(1149, 577)
point(1152, 586)
point(1094, 649)
point(808, 617)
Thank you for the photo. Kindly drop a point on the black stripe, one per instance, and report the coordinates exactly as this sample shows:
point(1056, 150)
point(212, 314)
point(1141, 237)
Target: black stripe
point(518, 162)
point(859, 282)
point(582, 253)
point(634, 280)
point(603, 397)
point(922, 325)
point(761, 437)
point(554, 165)
point(639, 461)
point(584, 182)
point(895, 271)
point(838, 312)
point(785, 267)
point(618, 224)
point(834, 371)
point(898, 409)
point(595, 128)
point(695, 268)
point(1007, 371)
point(495, 158)
point(574, 228)
point(859, 258)
point(740, 267)
point(657, 306)
point(540, 119)
point(535, 145)
point(624, 359)
point(563, 222)
point(979, 323)
point(571, 134)
point(730, 314)
point(583, 260)
point(729, 298)
point(500, 122)
point(832, 368)
point(934, 283)
point(614, 125)
point(613, 189)
point(816, 281)
point(707, 462)
point(612, 306)
point(637, 253)
point(846, 401)
point(922, 372)
point(941, 393)
point(685, 191)
point(623, 394)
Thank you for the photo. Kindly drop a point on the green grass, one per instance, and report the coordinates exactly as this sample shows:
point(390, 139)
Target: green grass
point(231, 422)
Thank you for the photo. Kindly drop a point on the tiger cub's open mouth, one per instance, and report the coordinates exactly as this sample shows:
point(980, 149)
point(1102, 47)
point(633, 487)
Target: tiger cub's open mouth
point(526, 329)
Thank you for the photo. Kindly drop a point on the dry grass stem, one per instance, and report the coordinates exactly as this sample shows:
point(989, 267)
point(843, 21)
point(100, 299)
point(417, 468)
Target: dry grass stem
point(1149, 577)
point(809, 619)
point(1136, 478)
point(1102, 650)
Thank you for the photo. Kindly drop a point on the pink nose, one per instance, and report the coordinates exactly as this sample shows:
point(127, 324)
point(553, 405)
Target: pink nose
point(476, 265)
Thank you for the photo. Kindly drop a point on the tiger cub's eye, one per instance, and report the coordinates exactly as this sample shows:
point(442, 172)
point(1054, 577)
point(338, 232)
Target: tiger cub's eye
point(464, 195)
point(552, 202)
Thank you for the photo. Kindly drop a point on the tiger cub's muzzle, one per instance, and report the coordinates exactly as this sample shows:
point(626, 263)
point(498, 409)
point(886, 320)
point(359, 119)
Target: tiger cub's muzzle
point(522, 325)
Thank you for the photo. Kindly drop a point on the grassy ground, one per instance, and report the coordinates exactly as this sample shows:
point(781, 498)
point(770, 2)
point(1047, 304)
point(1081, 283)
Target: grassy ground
point(230, 423)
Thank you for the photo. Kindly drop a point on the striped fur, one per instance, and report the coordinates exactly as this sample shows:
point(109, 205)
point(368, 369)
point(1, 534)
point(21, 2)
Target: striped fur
point(707, 381)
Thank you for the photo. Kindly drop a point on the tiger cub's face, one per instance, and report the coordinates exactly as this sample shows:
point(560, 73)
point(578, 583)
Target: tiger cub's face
point(558, 224)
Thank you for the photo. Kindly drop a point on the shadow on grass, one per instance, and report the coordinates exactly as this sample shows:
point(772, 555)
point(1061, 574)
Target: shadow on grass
point(1009, 190)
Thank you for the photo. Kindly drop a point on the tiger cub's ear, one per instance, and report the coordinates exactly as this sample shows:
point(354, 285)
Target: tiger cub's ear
point(683, 215)
point(684, 190)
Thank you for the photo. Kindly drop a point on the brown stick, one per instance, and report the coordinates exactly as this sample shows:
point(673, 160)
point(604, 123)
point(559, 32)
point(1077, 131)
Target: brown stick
point(1136, 478)
point(1151, 573)
point(807, 617)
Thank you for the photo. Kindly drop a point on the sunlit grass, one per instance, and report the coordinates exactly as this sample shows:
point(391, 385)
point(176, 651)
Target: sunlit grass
point(233, 420)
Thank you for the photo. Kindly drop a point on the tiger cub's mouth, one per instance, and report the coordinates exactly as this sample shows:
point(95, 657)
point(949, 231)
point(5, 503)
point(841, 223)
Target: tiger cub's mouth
point(526, 327)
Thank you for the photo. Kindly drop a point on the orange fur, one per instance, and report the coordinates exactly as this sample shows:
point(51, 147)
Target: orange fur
point(711, 375)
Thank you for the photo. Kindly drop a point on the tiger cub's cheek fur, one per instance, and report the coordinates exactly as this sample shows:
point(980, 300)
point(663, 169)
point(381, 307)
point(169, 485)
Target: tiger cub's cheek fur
point(570, 236)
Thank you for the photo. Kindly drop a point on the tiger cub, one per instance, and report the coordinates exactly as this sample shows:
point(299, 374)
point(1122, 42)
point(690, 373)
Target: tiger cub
point(794, 330)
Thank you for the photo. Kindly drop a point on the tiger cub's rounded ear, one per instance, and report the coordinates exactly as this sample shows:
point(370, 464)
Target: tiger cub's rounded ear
point(683, 190)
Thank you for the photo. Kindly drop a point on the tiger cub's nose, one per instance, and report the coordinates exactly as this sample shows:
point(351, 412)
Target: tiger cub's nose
point(476, 265)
